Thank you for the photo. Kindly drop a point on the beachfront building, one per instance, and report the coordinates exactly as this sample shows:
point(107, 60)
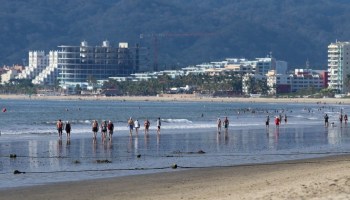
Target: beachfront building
point(48, 76)
point(37, 61)
point(307, 78)
point(300, 79)
point(8, 75)
point(278, 83)
point(42, 68)
point(338, 66)
point(84, 63)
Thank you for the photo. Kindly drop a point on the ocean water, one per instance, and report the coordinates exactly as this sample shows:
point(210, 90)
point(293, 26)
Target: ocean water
point(188, 137)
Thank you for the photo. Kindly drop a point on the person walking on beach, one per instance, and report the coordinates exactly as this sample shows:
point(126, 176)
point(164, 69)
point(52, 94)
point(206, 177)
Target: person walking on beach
point(137, 126)
point(267, 123)
point(94, 128)
point(59, 126)
point(146, 125)
point(326, 120)
point(219, 125)
point(159, 124)
point(226, 123)
point(341, 119)
point(110, 128)
point(68, 128)
point(130, 125)
point(103, 129)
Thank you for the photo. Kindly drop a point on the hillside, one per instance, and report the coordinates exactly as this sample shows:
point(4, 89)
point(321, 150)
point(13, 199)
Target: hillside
point(199, 30)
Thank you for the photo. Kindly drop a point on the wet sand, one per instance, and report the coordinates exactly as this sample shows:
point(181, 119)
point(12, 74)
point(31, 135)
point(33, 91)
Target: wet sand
point(322, 178)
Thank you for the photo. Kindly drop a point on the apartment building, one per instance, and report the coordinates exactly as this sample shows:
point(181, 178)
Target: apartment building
point(338, 66)
point(77, 64)
point(300, 79)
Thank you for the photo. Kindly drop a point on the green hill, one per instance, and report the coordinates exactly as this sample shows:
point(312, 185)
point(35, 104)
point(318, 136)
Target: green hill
point(197, 30)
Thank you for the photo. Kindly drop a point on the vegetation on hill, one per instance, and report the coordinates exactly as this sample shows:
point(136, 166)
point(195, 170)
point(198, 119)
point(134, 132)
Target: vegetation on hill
point(199, 30)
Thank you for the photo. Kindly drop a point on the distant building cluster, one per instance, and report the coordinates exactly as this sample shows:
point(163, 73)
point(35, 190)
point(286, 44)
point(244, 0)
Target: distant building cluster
point(82, 64)
point(72, 65)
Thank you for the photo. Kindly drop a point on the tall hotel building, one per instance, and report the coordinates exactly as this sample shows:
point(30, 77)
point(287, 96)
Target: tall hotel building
point(338, 66)
point(77, 64)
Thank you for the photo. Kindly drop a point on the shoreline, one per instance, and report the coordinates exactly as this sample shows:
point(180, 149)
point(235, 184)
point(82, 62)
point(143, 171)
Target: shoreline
point(325, 178)
point(181, 98)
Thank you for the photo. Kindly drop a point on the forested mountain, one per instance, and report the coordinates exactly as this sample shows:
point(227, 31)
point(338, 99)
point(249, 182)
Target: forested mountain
point(197, 30)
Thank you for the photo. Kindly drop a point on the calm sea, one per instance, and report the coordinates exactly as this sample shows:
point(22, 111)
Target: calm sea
point(188, 137)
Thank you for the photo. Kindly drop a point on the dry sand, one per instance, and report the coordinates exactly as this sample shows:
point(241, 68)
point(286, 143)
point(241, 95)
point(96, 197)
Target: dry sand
point(182, 97)
point(323, 178)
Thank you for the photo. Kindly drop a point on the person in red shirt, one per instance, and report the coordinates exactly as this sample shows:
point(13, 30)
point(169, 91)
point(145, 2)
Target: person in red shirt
point(277, 121)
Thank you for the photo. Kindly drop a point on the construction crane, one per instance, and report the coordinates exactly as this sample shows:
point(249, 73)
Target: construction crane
point(155, 41)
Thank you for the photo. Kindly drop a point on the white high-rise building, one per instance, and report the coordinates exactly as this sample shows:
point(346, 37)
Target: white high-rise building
point(338, 66)
point(37, 63)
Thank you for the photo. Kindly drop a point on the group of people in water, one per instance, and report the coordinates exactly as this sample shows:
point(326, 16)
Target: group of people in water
point(107, 128)
point(341, 119)
point(278, 120)
point(225, 123)
point(60, 126)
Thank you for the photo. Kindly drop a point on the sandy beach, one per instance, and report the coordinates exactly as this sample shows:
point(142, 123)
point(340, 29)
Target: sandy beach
point(182, 97)
point(322, 178)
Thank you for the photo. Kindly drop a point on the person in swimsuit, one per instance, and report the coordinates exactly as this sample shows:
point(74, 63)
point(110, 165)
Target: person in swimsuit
point(110, 128)
point(158, 125)
point(219, 125)
point(226, 123)
point(131, 125)
point(137, 126)
point(146, 125)
point(68, 128)
point(59, 126)
point(103, 129)
point(267, 123)
point(94, 128)
point(326, 120)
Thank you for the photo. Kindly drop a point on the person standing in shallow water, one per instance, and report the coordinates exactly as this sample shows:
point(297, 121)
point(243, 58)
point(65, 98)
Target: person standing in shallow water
point(345, 118)
point(137, 126)
point(59, 126)
point(326, 120)
point(68, 129)
point(130, 125)
point(110, 128)
point(267, 123)
point(226, 123)
point(159, 124)
point(219, 125)
point(146, 124)
point(277, 122)
point(94, 128)
point(103, 129)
